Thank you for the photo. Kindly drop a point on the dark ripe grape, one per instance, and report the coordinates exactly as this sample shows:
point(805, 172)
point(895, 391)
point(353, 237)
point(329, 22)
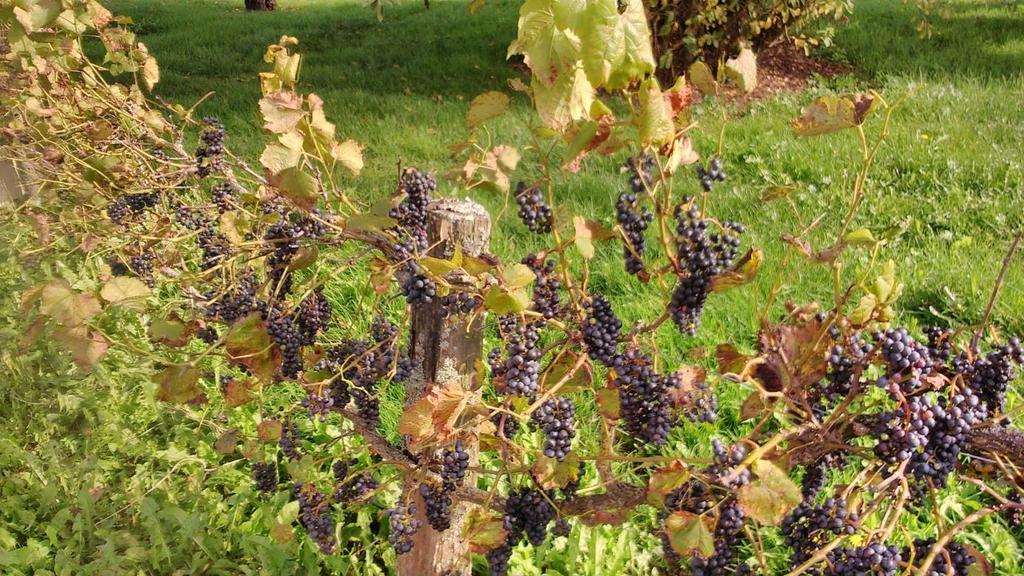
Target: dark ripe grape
point(438, 503)
point(533, 208)
point(454, 463)
point(264, 475)
point(289, 440)
point(315, 517)
point(953, 560)
point(318, 405)
point(411, 213)
point(874, 559)
point(209, 154)
point(313, 315)
point(237, 302)
point(940, 343)
point(128, 206)
point(949, 421)
point(695, 399)
point(351, 489)
point(905, 357)
point(702, 254)
point(207, 334)
point(283, 238)
point(904, 432)
point(225, 197)
point(989, 375)
point(561, 527)
point(528, 512)
point(545, 286)
point(727, 541)
point(645, 406)
point(417, 287)
point(640, 171)
point(808, 527)
point(520, 369)
point(726, 460)
point(711, 174)
point(403, 522)
point(556, 418)
point(142, 266)
point(457, 304)
point(497, 559)
point(506, 424)
point(367, 404)
point(403, 369)
point(634, 221)
point(601, 330)
point(846, 361)
point(282, 330)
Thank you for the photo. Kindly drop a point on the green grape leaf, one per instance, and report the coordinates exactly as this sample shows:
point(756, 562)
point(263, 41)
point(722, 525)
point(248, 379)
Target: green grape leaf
point(297, 186)
point(564, 101)
point(503, 301)
point(655, 120)
point(689, 534)
point(828, 114)
point(550, 473)
point(126, 291)
point(350, 155)
point(484, 529)
point(178, 384)
point(518, 276)
point(602, 40)
point(769, 497)
point(701, 77)
point(550, 51)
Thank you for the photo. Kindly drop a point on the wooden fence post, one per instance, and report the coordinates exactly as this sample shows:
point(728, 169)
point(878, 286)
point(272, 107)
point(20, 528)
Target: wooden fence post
point(443, 349)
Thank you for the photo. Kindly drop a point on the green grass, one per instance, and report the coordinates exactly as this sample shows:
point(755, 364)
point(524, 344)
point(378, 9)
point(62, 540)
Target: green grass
point(947, 189)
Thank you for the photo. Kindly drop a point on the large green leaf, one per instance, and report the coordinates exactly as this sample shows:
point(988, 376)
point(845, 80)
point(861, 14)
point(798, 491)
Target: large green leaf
point(549, 51)
point(564, 102)
point(656, 125)
point(603, 40)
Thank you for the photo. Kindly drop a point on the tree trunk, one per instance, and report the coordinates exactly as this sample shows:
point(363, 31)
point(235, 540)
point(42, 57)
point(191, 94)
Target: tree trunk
point(261, 5)
point(443, 349)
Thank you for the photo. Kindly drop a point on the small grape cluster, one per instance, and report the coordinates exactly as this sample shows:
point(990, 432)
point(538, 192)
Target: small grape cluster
point(437, 501)
point(506, 425)
point(351, 489)
point(142, 266)
point(713, 173)
point(727, 541)
point(903, 433)
point(556, 418)
point(545, 286)
point(519, 370)
point(876, 559)
point(128, 206)
point(457, 304)
point(284, 240)
point(951, 420)
point(640, 170)
point(696, 400)
point(411, 212)
point(318, 404)
point(634, 222)
point(289, 440)
point(528, 512)
point(210, 153)
point(417, 287)
point(534, 210)
point(282, 330)
point(360, 370)
point(816, 475)
point(644, 404)
point(315, 517)
point(844, 363)
point(940, 343)
point(215, 246)
point(312, 316)
point(236, 303)
point(906, 359)
point(264, 475)
point(726, 460)
point(990, 375)
point(225, 197)
point(810, 526)
point(953, 560)
point(404, 526)
point(703, 255)
point(454, 463)
point(601, 330)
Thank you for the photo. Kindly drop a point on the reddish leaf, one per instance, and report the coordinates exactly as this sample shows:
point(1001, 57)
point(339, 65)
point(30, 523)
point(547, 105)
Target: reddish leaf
point(86, 347)
point(551, 473)
point(227, 442)
point(249, 344)
point(665, 480)
point(268, 430)
point(608, 403)
point(236, 392)
point(581, 379)
point(484, 529)
point(730, 361)
point(690, 534)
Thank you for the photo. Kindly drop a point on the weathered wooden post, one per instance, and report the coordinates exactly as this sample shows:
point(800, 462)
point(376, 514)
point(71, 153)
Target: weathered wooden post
point(443, 349)
point(15, 181)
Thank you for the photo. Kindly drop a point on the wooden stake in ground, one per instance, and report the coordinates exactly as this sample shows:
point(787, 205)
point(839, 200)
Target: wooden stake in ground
point(443, 349)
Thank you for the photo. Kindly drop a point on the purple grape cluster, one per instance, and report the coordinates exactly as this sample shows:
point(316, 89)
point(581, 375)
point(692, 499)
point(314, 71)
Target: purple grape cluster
point(318, 404)
point(703, 255)
point(875, 559)
point(601, 330)
point(713, 173)
point(810, 526)
point(990, 375)
point(416, 286)
point(411, 212)
point(726, 460)
point(545, 286)
point(556, 418)
point(906, 360)
point(225, 197)
point(128, 206)
point(457, 304)
point(404, 525)
point(643, 397)
point(351, 489)
point(534, 210)
point(315, 517)
point(313, 315)
point(289, 440)
point(520, 368)
point(210, 153)
point(634, 221)
point(954, 559)
point(142, 266)
point(727, 538)
point(437, 501)
point(264, 475)
point(641, 171)
point(282, 330)
point(527, 512)
point(454, 463)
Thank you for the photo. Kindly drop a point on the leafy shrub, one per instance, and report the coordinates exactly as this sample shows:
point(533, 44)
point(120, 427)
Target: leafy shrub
point(712, 31)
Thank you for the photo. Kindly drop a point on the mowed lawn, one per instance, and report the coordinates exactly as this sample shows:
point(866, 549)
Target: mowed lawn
point(946, 193)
